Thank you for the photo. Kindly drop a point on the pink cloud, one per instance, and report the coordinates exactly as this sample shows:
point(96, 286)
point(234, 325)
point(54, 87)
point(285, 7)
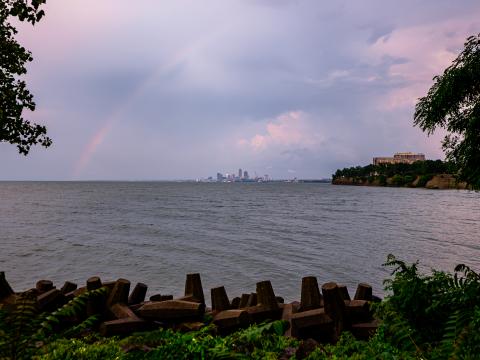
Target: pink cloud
point(289, 129)
point(429, 49)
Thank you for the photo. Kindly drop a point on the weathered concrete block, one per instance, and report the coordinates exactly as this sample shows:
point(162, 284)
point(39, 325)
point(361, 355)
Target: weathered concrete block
point(220, 300)
point(122, 311)
point(138, 294)
point(364, 292)
point(171, 310)
point(236, 302)
point(243, 301)
point(315, 317)
point(287, 313)
point(49, 300)
point(266, 296)
point(5, 288)
point(68, 287)
point(190, 298)
point(310, 296)
point(123, 327)
point(252, 300)
point(44, 286)
point(231, 319)
point(334, 306)
point(193, 287)
point(260, 313)
point(158, 297)
point(94, 283)
point(357, 311)
point(119, 293)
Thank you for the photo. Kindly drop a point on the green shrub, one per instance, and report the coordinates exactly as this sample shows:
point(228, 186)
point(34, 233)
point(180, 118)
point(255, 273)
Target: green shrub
point(398, 180)
point(80, 349)
point(265, 341)
point(437, 313)
point(382, 180)
point(349, 348)
point(408, 179)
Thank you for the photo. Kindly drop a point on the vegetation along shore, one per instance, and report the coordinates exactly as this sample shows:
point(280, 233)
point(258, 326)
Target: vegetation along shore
point(430, 174)
point(440, 319)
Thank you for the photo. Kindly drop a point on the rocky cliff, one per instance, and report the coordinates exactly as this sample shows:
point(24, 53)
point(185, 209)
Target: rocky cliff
point(439, 181)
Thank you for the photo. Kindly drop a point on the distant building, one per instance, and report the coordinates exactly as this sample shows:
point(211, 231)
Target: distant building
point(239, 173)
point(245, 175)
point(219, 177)
point(399, 158)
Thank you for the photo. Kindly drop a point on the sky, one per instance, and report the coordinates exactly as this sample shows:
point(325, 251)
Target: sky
point(163, 90)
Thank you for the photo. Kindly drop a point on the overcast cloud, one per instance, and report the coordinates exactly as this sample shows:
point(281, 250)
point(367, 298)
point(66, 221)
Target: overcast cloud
point(183, 89)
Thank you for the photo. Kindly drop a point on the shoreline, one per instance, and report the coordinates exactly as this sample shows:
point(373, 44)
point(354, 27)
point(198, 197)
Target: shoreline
point(437, 182)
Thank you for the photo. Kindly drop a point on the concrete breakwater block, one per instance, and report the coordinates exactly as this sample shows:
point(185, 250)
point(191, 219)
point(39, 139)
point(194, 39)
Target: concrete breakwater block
point(252, 300)
point(229, 320)
point(243, 301)
point(364, 292)
point(322, 313)
point(158, 297)
point(193, 288)
point(236, 302)
point(138, 294)
point(68, 287)
point(124, 326)
point(334, 306)
point(310, 295)
point(119, 293)
point(94, 283)
point(50, 300)
point(5, 288)
point(171, 310)
point(219, 298)
point(43, 286)
point(357, 311)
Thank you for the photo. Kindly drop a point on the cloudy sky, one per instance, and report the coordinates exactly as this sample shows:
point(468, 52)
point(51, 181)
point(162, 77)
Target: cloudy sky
point(145, 90)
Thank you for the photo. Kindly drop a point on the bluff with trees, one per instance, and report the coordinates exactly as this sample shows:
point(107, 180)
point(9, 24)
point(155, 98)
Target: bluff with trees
point(429, 173)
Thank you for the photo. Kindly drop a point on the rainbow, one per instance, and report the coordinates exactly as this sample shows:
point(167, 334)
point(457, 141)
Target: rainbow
point(105, 128)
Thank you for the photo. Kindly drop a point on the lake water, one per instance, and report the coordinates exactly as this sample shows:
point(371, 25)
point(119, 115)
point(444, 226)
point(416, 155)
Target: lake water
point(233, 234)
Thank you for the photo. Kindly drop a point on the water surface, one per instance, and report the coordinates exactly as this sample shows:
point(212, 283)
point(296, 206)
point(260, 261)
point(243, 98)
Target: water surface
point(233, 234)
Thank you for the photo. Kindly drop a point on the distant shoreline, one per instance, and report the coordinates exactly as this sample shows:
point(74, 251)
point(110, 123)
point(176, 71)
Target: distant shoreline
point(437, 182)
point(323, 181)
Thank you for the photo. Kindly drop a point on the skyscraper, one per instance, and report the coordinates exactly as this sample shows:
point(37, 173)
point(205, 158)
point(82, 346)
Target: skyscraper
point(239, 173)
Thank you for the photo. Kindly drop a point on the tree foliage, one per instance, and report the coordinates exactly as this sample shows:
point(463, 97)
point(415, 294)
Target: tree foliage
point(15, 98)
point(453, 103)
point(418, 168)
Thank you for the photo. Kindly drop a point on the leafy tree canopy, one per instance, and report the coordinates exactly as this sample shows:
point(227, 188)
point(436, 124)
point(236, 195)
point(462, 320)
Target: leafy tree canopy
point(14, 95)
point(453, 103)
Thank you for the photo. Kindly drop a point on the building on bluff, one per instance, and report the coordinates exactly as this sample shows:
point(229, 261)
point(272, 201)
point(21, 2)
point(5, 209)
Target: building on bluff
point(399, 158)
